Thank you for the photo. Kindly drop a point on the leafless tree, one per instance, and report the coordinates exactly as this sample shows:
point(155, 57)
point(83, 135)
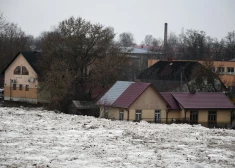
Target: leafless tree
point(79, 57)
point(12, 40)
point(204, 80)
point(230, 45)
point(149, 40)
point(126, 39)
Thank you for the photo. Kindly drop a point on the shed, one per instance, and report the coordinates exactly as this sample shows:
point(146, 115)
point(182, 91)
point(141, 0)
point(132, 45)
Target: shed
point(83, 108)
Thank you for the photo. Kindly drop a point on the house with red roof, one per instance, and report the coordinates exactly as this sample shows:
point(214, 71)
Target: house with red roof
point(135, 101)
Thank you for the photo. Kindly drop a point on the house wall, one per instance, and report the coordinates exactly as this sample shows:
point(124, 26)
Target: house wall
point(227, 78)
point(20, 95)
point(174, 114)
point(223, 116)
point(148, 102)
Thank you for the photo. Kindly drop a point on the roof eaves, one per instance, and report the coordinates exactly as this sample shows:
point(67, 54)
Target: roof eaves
point(3, 71)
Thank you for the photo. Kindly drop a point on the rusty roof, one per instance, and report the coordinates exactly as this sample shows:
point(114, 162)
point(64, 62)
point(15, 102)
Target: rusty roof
point(127, 98)
point(203, 100)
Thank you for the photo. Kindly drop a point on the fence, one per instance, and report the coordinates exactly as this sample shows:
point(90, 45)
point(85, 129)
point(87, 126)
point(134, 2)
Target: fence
point(188, 121)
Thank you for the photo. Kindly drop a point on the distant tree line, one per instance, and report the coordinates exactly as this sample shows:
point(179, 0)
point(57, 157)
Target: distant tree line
point(189, 45)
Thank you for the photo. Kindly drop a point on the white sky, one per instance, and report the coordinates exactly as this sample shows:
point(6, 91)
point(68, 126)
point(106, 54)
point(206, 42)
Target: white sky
point(140, 17)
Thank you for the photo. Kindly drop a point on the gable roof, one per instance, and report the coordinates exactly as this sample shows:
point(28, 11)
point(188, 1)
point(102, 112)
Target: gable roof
point(123, 94)
point(165, 70)
point(114, 92)
point(170, 100)
point(203, 100)
point(127, 98)
point(31, 58)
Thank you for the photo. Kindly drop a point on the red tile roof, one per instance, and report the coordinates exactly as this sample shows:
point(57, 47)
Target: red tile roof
point(205, 100)
point(170, 100)
point(127, 98)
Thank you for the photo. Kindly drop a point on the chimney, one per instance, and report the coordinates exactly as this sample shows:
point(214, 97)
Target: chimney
point(165, 36)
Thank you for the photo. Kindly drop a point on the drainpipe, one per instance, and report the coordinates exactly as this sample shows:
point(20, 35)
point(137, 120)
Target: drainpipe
point(128, 114)
point(167, 111)
point(185, 115)
point(10, 89)
point(232, 117)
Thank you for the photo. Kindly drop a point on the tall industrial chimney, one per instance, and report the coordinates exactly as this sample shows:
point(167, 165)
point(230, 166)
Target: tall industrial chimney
point(165, 36)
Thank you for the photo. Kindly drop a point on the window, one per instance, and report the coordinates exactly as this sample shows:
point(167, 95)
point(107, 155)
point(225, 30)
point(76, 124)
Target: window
point(17, 70)
point(211, 116)
point(230, 70)
point(27, 87)
point(20, 87)
point(121, 114)
point(193, 116)
point(157, 116)
point(14, 86)
point(221, 70)
point(25, 71)
point(106, 112)
point(138, 115)
point(213, 69)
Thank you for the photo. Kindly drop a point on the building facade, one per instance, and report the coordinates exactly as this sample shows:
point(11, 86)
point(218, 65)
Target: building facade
point(136, 101)
point(21, 78)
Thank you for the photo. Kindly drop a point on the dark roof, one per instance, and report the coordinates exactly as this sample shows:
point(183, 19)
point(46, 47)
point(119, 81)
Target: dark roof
point(170, 100)
point(30, 56)
point(127, 98)
point(166, 70)
point(205, 100)
point(84, 104)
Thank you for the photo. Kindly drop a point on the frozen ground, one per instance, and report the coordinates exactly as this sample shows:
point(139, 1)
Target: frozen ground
point(39, 138)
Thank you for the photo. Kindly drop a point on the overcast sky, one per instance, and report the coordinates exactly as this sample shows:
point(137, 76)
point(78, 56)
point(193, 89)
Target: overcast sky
point(140, 17)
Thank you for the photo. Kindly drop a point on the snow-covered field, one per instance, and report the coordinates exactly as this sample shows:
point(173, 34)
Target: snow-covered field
point(39, 138)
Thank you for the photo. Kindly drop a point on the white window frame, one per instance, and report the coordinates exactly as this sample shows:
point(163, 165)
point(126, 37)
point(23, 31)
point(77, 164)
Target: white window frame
point(221, 70)
point(121, 114)
point(157, 115)
point(138, 115)
point(230, 70)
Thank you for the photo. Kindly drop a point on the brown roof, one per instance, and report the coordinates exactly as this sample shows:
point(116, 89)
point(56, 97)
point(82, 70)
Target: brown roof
point(170, 100)
point(127, 98)
point(205, 100)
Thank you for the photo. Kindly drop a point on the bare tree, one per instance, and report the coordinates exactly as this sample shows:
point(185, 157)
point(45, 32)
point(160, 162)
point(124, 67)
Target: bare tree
point(149, 40)
point(204, 80)
point(230, 45)
point(126, 39)
point(80, 56)
point(12, 40)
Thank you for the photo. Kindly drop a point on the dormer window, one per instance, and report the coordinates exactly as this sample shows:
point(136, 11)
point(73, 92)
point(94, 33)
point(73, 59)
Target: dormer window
point(21, 70)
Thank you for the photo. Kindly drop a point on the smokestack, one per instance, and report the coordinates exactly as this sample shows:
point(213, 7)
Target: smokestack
point(165, 36)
